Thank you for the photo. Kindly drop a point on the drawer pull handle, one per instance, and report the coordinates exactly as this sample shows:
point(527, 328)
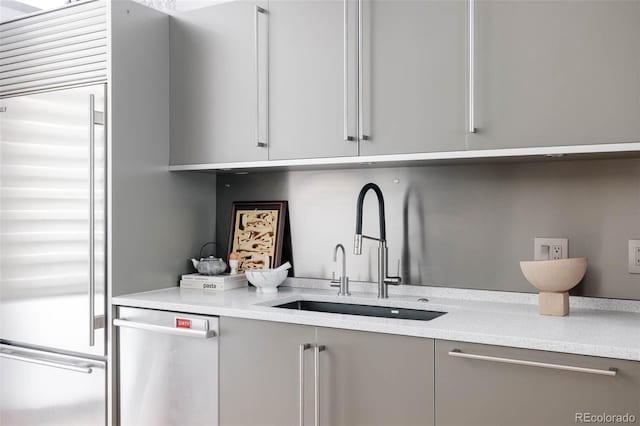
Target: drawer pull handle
point(34, 360)
point(459, 354)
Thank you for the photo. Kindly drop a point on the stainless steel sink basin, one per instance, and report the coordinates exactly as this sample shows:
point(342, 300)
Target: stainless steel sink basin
point(362, 310)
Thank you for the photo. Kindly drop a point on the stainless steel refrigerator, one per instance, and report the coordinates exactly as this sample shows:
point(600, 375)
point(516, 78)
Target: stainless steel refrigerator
point(52, 257)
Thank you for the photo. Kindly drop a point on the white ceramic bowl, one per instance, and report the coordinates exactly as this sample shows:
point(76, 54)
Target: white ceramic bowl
point(267, 280)
point(554, 276)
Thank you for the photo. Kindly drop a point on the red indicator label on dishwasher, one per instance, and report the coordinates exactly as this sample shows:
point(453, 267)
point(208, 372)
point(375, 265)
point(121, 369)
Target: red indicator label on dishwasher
point(183, 323)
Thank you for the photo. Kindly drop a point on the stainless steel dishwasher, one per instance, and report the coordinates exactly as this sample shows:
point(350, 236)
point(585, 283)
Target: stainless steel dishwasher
point(168, 368)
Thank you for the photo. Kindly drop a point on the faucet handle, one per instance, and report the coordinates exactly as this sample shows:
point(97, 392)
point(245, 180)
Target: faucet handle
point(397, 280)
point(335, 282)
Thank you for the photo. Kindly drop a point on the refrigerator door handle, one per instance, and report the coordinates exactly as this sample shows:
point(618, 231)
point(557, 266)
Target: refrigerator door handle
point(95, 118)
point(92, 226)
point(205, 334)
point(28, 357)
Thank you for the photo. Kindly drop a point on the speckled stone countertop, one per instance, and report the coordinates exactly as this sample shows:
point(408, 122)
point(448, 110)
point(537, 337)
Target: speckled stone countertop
point(597, 327)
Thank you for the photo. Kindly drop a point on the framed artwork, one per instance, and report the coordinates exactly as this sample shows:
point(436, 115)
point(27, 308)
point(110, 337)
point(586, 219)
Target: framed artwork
point(257, 233)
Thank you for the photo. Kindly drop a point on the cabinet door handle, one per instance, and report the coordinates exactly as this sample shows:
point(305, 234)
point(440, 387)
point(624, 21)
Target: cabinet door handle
point(459, 354)
point(316, 373)
point(261, 143)
point(363, 136)
point(303, 347)
point(472, 65)
point(345, 71)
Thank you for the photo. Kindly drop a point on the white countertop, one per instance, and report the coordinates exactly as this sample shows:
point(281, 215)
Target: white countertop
point(586, 331)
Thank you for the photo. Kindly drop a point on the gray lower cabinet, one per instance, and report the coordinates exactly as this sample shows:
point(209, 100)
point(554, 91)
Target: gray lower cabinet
point(312, 79)
point(364, 379)
point(562, 72)
point(413, 68)
point(472, 391)
point(259, 375)
point(215, 84)
point(373, 379)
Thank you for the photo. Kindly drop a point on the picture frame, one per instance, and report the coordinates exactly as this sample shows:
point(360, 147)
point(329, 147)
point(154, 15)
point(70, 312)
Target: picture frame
point(257, 233)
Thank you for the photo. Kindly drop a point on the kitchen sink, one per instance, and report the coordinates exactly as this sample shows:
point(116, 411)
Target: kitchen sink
point(362, 310)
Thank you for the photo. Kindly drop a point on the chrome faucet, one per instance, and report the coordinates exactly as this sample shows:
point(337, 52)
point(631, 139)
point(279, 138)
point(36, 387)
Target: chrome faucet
point(343, 282)
point(383, 279)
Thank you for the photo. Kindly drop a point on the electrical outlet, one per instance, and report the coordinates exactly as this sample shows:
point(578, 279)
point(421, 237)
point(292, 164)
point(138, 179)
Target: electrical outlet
point(634, 256)
point(550, 248)
point(555, 252)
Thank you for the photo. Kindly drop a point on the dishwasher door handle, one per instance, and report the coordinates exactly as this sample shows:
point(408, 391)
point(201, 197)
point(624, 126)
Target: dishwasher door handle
point(164, 329)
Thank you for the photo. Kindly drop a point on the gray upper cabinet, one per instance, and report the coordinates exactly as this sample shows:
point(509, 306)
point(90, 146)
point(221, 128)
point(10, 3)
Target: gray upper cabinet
point(255, 80)
point(373, 379)
point(217, 83)
point(502, 391)
point(413, 76)
point(560, 72)
point(312, 79)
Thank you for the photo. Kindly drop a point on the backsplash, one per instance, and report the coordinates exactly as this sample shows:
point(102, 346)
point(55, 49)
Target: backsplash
point(463, 226)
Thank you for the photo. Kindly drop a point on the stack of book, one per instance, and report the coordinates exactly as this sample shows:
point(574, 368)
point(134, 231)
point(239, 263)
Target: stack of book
point(213, 282)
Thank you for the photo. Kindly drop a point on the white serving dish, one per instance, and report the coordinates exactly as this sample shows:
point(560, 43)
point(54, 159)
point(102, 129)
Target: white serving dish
point(268, 280)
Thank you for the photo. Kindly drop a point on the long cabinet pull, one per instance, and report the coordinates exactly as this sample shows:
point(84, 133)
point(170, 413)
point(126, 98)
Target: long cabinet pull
point(302, 348)
point(204, 334)
point(459, 354)
point(261, 143)
point(92, 221)
point(316, 375)
point(345, 72)
point(472, 65)
point(363, 136)
point(34, 360)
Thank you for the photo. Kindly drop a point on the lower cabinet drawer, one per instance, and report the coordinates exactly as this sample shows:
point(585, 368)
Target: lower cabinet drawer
point(494, 386)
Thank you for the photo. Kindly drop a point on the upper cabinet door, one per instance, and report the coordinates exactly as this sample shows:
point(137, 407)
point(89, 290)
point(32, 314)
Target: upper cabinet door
point(312, 78)
point(218, 84)
point(413, 64)
point(560, 72)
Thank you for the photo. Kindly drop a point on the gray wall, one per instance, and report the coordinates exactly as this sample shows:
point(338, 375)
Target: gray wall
point(460, 225)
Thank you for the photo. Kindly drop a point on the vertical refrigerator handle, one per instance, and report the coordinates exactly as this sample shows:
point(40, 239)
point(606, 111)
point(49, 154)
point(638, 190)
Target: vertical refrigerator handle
point(95, 118)
point(261, 143)
point(92, 225)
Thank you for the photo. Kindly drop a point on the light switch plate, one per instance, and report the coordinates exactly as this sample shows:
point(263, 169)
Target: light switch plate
point(634, 256)
point(550, 248)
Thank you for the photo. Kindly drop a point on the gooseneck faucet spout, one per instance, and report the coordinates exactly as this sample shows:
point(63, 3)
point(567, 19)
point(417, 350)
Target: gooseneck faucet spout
point(383, 279)
point(383, 229)
point(343, 282)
